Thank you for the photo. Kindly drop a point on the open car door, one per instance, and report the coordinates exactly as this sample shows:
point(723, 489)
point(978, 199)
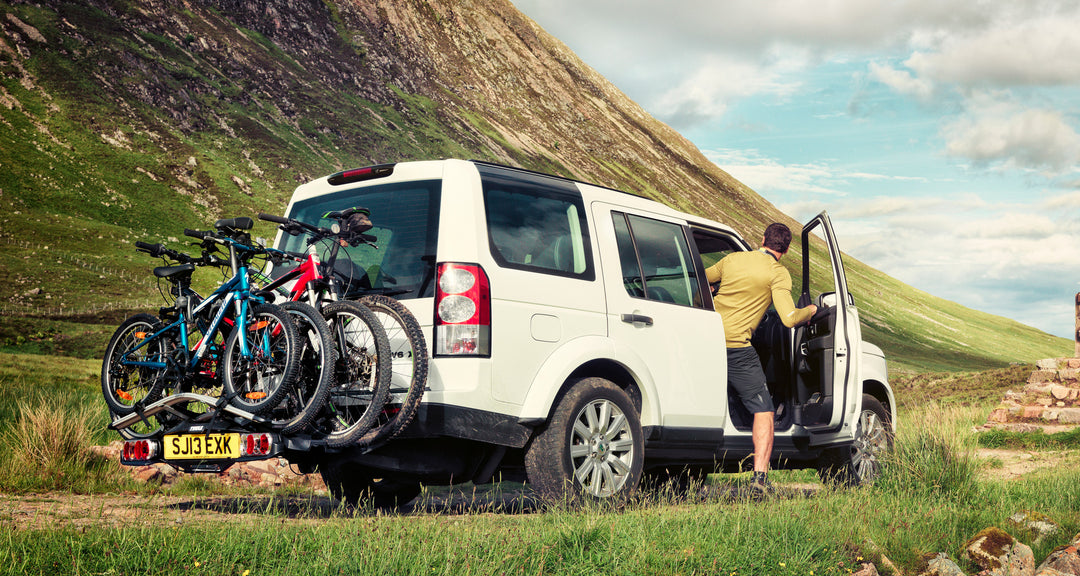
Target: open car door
point(827, 350)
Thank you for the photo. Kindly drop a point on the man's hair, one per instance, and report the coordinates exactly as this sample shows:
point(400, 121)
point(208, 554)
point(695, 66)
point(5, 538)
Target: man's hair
point(778, 237)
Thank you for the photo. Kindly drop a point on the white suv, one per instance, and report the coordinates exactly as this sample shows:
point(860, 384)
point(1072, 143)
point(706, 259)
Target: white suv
point(574, 343)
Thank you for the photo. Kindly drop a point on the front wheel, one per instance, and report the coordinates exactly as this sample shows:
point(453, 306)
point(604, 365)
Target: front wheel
point(591, 447)
point(260, 380)
point(315, 375)
point(861, 462)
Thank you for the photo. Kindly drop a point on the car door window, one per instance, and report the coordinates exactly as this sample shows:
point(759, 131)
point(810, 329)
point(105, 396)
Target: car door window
point(656, 261)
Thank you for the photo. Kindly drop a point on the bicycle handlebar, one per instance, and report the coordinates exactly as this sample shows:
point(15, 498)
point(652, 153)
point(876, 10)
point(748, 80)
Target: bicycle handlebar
point(200, 234)
point(241, 223)
point(273, 218)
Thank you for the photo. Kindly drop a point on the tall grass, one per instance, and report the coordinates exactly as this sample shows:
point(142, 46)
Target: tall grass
point(934, 457)
point(48, 447)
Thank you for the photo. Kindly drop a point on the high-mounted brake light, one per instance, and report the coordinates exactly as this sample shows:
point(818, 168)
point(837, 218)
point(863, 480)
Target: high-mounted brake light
point(462, 311)
point(360, 174)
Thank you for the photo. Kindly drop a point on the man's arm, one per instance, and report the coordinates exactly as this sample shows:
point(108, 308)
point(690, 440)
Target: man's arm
point(785, 307)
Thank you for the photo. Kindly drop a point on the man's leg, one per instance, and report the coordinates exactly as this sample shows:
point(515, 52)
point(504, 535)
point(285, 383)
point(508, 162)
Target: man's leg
point(763, 440)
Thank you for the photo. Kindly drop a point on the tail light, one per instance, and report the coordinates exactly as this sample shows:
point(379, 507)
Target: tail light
point(256, 444)
point(462, 311)
point(139, 450)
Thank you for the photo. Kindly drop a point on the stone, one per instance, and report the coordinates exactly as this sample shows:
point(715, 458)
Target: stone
point(1046, 401)
point(1063, 561)
point(1032, 411)
point(1042, 376)
point(1069, 374)
point(867, 569)
point(1069, 416)
point(1073, 362)
point(999, 415)
point(1047, 364)
point(146, 474)
point(997, 553)
point(1050, 415)
point(1060, 392)
point(940, 565)
point(1039, 525)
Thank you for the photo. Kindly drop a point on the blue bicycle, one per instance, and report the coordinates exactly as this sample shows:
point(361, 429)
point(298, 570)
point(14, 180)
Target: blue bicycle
point(232, 336)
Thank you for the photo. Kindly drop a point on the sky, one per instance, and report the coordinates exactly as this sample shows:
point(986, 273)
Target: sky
point(942, 136)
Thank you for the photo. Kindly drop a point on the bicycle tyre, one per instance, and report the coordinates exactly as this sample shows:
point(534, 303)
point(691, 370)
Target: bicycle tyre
point(362, 374)
point(127, 387)
point(316, 371)
point(258, 384)
point(409, 360)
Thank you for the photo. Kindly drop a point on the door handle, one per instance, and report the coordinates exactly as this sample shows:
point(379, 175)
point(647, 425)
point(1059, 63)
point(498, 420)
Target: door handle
point(635, 318)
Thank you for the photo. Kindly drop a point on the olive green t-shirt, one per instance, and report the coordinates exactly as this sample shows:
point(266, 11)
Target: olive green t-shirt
point(749, 282)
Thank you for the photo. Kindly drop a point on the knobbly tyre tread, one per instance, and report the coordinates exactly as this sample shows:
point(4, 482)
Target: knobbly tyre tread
point(405, 327)
point(315, 375)
point(109, 371)
point(348, 432)
point(287, 372)
point(122, 340)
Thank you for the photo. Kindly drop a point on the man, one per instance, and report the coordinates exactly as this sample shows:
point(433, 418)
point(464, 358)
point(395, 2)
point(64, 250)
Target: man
point(749, 283)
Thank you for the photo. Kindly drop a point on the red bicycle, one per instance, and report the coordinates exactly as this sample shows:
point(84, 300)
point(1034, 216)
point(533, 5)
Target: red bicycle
point(380, 343)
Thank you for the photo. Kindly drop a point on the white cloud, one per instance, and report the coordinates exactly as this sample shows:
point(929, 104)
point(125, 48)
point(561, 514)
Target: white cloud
point(706, 93)
point(996, 130)
point(1037, 50)
point(902, 81)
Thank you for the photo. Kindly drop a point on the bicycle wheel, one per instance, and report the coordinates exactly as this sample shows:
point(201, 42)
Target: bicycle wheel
point(126, 383)
point(362, 373)
point(126, 386)
point(259, 381)
point(408, 356)
point(316, 371)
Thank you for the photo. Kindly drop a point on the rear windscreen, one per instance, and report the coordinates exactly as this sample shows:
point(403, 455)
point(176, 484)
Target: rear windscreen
point(405, 218)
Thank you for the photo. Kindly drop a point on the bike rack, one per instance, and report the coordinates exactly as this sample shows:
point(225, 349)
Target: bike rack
point(169, 403)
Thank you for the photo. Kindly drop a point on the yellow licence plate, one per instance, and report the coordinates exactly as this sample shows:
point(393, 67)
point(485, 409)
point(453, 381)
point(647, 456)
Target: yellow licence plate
point(201, 446)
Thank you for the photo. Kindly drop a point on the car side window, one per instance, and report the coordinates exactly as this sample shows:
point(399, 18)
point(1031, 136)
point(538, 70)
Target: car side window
point(713, 246)
point(656, 260)
point(530, 228)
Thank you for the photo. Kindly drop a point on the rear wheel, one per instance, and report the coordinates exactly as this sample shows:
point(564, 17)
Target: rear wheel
point(592, 446)
point(315, 373)
point(409, 361)
point(861, 462)
point(362, 372)
point(259, 381)
point(126, 380)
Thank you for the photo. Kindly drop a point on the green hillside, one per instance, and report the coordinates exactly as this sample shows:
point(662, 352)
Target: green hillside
point(125, 121)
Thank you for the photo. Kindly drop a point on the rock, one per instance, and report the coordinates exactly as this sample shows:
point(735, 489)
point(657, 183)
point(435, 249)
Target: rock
point(940, 565)
point(1032, 411)
point(867, 569)
point(1042, 376)
point(999, 554)
point(1069, 416)
point(1059, 392)
point(1047, 364)
point(999, 415)
point(1073, 362)
point(1063, 561)
point(1038, 525)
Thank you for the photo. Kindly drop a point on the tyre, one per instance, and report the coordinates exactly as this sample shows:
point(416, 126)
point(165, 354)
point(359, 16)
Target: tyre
point(315, 375)
point(408, 375)
point(361, 375)
point(126, 386)
point(592, 447)
point(355, 485)
point(260, 381)
point(861, 462)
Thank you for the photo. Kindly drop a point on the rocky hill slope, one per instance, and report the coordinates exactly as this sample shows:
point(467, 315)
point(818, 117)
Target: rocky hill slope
point(127, 121)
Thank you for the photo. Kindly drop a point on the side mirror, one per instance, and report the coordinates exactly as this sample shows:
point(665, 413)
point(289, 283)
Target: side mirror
point(829, 299)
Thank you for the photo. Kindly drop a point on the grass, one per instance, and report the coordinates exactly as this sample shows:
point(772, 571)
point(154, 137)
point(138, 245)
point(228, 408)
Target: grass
point(932, 498)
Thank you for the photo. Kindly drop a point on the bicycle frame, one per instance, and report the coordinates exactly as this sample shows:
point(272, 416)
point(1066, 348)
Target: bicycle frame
point(235, 292)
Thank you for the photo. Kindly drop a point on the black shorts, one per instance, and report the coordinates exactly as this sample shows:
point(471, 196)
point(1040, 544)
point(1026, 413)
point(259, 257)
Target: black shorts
point(748, 379)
